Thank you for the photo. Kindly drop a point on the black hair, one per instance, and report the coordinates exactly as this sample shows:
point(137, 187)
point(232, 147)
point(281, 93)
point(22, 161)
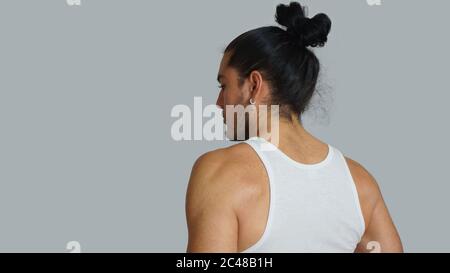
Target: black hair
point(282, 56)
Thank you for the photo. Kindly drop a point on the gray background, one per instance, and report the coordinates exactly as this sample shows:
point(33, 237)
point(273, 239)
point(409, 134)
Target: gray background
point(86, 93)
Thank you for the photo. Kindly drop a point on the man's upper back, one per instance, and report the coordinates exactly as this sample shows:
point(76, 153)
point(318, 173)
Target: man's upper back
point(227, 201)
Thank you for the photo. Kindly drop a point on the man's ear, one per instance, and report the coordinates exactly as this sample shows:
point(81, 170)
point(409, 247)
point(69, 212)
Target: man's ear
point(256, 83)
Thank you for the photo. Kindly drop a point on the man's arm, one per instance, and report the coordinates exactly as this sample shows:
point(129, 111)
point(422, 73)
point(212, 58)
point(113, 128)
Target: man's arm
point(380, 229)
point(211, 218)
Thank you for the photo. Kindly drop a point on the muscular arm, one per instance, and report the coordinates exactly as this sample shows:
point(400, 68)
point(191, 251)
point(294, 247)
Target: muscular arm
point(380, 228)
point(211, 218)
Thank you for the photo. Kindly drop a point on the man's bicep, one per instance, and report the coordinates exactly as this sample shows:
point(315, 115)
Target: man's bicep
point(381, 234)
point(212, 221)
point(213, 229)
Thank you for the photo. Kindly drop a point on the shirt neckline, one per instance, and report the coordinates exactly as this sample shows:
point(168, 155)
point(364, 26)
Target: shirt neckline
point(275, 149)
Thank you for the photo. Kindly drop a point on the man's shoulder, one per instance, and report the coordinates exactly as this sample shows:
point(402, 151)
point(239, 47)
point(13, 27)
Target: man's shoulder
point(224, 161)
point(368, 189)
point(362, 177)
point(224, 176)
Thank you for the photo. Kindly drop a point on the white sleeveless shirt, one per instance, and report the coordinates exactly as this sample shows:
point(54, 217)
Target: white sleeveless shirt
point(313, 207)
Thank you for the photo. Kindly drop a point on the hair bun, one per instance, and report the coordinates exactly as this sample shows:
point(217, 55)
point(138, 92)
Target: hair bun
point(305, 31)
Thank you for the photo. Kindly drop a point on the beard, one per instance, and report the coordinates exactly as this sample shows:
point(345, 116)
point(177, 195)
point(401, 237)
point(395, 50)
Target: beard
point(238, 133)
point(242, 126)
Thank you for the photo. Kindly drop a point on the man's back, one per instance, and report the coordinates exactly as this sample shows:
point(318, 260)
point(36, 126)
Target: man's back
point(228, 205)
